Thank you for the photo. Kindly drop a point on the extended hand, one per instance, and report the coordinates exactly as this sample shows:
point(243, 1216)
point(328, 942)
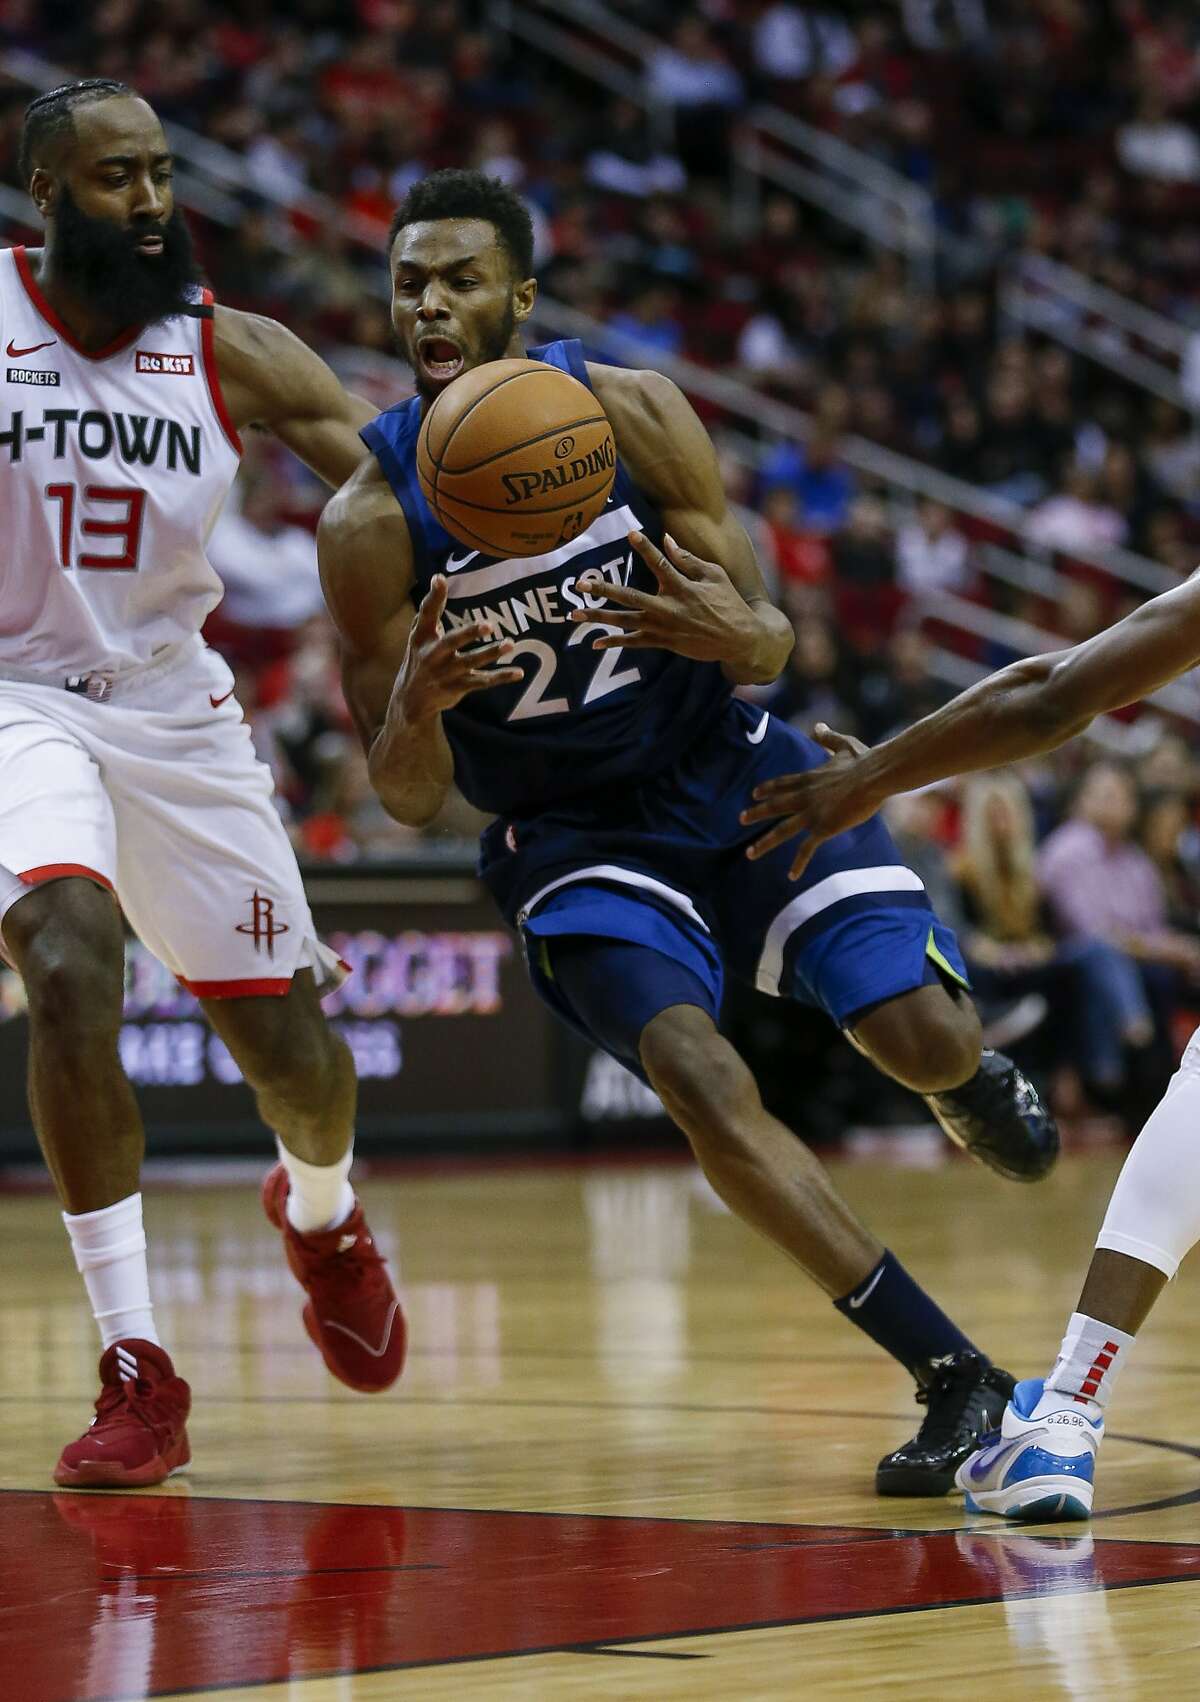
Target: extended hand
point(697, 610)
point(438, 670)
point(820, 803)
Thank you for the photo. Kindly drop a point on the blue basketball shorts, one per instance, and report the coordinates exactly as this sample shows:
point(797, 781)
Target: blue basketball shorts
point(642, 898)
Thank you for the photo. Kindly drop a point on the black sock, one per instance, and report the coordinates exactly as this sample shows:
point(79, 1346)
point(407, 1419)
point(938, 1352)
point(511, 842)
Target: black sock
point(898, 1314)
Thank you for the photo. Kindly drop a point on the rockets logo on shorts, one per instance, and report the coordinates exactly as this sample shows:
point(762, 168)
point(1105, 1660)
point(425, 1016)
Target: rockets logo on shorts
point(262, 925)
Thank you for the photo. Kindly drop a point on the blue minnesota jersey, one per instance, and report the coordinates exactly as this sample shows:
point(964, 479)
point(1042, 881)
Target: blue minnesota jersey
point(581, 720)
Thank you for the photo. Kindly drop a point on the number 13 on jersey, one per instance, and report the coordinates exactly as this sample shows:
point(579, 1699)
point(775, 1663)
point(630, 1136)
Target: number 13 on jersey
point(81, 519)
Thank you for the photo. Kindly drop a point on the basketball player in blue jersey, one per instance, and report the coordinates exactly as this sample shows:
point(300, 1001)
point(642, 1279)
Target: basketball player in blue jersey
point(585, 699)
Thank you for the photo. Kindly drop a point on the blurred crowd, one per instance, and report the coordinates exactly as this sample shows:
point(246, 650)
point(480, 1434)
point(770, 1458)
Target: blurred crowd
point(1066, 128)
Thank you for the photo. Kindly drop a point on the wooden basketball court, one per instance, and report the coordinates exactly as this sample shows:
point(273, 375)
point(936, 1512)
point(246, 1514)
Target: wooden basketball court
point(631, 1457)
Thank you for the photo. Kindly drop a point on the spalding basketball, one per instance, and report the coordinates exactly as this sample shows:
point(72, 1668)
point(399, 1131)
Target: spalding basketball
point(516, 457)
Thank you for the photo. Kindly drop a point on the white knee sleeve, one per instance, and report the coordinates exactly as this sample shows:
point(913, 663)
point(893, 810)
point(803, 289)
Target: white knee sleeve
point(1154, 1213)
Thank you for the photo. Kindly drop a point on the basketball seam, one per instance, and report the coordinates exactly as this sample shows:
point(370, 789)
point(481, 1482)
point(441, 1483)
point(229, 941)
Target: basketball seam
point(487, 545)
point(526, 443)
point(511, 378)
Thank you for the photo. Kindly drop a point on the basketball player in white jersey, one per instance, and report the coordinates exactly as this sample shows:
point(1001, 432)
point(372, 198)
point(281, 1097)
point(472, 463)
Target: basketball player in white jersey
point(125, 766)
point(1041, 1465)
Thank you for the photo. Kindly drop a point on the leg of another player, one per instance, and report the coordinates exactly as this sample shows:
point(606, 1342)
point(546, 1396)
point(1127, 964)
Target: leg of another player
point(304, 1082)
point(930, 1041)
point(772, 1181)
point(754, 1162)
point(67, 942)
point(1043, 1465)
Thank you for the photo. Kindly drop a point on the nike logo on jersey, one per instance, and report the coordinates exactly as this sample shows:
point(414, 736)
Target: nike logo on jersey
point(453, 563)
point(218, 701)
point(756, 738)
point(14, 353)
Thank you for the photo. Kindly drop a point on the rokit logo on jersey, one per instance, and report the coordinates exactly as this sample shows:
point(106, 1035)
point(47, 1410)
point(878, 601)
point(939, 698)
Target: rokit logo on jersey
point(33, 375)
point(138, 439)
point(179, 366)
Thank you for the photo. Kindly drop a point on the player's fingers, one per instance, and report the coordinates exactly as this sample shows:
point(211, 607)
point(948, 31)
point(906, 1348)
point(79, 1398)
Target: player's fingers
point(761, 812)
point(624, 595)
point(623, 621)
point(474, 632)
point(803, 857)
point(689, 565)
point(432, 608)
point(486, 654)
point(654, 559)
point(482, 679)
point(635, 639)
point(841, 744)
point(784, 830)
point(780, 791)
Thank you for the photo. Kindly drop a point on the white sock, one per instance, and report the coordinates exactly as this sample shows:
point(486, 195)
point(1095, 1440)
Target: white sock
point(320, 1196)
point(110, 1254)
point(1088, 1362)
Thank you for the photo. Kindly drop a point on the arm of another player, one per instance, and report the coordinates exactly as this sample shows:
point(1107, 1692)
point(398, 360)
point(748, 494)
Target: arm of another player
point(711, 602)
point(269, 378)
point(399, 670)
point(1030, 707)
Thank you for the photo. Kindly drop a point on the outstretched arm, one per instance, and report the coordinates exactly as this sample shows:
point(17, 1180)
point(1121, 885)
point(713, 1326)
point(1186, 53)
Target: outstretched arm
point(399, 670)
point(711, 602)
point(269, 378)
point(1025, 709)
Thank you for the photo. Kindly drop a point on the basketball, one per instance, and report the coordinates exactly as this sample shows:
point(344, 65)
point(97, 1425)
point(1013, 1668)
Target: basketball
point(515, 458)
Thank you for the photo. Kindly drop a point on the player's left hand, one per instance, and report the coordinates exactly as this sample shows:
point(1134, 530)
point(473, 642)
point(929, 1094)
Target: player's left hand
point(819, 803)
point(697, 610)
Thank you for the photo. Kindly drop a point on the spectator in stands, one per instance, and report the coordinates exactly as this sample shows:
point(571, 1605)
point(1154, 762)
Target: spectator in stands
point(931, 554)
point(625, 158)
point(803, 560)
point(1012, 954)
point(1155, 145)
point(268, 567)
point(792, 43)
point(692, 78)
point(1168, 836)
point(901, 690)
point(822, 482)
point(1100, 884)
point(651, 320)
point(1075, 518)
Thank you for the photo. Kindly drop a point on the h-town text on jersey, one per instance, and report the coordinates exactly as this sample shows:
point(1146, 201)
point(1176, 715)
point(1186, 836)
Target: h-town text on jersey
point(140, 440)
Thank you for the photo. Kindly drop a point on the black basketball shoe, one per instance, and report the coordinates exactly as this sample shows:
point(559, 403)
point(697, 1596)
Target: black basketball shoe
point(998, 1118)
point(966, 1396)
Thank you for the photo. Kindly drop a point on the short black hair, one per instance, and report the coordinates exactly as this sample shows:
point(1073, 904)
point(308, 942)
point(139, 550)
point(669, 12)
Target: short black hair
point(50, 116)
point(454, 194)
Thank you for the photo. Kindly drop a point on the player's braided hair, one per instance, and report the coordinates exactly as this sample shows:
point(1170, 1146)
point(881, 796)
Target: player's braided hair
point(454, 194)
point(50, 116)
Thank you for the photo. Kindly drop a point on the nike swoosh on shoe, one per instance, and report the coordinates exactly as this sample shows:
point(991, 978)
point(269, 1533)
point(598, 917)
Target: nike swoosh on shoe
point(375, 1352)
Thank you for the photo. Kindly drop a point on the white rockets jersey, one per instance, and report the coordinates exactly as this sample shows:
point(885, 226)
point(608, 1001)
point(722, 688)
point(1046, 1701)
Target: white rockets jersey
point(113, 469)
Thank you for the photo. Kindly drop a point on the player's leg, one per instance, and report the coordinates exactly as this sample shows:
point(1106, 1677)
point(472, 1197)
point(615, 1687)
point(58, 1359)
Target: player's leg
point(210, 883)
point(653, 1008)
point(929, 1039)
point(1042, 1464)
point(62, 930)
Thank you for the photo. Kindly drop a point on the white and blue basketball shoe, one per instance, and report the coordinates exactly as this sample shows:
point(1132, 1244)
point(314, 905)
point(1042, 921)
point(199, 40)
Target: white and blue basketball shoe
point(1039, 1466)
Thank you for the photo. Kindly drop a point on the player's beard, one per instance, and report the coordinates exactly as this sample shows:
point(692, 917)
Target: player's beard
point(494, 345)
point(122, 286)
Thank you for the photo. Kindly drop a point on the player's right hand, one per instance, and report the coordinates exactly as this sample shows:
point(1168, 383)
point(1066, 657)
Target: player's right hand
point(441, 668)
point(819, 803)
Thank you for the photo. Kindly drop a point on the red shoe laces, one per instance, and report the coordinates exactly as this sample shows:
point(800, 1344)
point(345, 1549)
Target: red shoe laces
point(132, 1400)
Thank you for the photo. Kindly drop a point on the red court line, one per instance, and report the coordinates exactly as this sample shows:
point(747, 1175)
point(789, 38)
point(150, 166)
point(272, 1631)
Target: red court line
point(155, 1594)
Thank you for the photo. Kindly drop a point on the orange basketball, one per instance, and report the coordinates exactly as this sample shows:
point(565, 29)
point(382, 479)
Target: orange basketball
point(515, 458)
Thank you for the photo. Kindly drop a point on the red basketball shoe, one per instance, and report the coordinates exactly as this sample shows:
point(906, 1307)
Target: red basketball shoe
point(352, 1313)
point(138, 1435)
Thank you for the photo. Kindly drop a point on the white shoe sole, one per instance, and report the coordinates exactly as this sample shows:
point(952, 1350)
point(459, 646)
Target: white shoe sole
point(1036, 1501)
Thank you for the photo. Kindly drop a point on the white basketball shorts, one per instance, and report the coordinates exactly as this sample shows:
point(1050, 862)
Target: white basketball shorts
point(158, 796)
